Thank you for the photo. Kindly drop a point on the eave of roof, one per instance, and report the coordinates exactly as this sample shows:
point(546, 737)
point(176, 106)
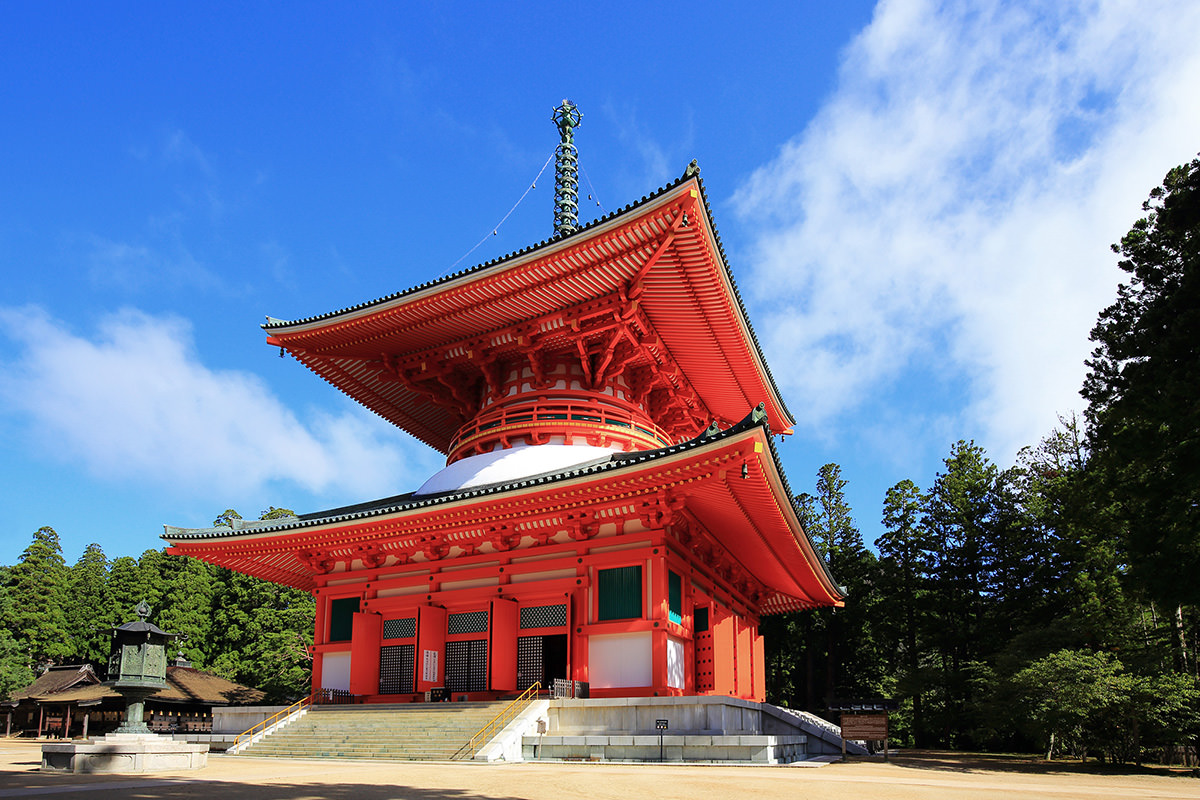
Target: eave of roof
point(614, 464)
point(183, 685)
point(421, 427)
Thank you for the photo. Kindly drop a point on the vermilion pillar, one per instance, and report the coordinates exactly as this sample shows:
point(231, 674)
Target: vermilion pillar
point(431, 647)
point(503, 667)
point(364, 653)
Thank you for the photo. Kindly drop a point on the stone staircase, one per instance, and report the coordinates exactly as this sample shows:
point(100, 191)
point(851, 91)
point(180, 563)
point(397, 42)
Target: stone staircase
point(402, 732)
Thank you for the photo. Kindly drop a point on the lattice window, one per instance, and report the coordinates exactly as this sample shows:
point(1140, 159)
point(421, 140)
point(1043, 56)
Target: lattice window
point(396, 668)
point(400, 628)
point(467, 622)
point(544, 616)
point(466, 666)
point(529, 661)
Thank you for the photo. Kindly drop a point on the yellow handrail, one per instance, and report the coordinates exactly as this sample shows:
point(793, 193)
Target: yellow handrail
point(266, 723)
point(501, 719)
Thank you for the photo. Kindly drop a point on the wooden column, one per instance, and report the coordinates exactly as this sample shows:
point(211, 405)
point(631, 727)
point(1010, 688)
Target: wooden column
point(658, 634)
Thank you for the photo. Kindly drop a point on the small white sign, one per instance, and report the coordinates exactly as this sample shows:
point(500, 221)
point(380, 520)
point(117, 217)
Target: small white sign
point(429, 667)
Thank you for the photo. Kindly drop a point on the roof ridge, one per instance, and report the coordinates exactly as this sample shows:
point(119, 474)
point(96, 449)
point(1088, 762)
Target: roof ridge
point(274, 323)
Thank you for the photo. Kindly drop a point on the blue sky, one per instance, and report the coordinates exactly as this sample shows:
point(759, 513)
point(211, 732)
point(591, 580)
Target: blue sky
point(917, 200)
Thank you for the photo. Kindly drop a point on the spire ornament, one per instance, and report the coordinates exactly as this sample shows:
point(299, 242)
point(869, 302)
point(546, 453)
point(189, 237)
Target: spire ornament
point(566, 170)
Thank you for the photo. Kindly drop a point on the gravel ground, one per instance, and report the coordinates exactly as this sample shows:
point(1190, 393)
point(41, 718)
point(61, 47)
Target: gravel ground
point(924, 775)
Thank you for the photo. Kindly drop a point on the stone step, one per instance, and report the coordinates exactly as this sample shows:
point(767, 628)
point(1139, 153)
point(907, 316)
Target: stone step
point(396, 733)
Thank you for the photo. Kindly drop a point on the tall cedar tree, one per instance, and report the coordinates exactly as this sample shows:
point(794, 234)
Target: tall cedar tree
point(1142, 389)
point(15, 672)
point(86, 600)
point(905, 581)
point(962, 518)
point(37, 591)
point(261, 633)
point(815, 657)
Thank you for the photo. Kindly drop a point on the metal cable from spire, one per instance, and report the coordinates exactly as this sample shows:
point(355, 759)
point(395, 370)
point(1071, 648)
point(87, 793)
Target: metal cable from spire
point(566, 170)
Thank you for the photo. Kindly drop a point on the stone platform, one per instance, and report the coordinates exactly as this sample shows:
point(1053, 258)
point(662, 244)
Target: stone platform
point(699, 729)
point(124, 753)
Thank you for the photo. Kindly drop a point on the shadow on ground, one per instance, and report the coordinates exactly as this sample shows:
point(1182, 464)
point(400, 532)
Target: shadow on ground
point(949, 761)
point(151, 788)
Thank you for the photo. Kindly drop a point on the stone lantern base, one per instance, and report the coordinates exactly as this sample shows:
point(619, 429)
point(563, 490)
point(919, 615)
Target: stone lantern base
point(125, 753)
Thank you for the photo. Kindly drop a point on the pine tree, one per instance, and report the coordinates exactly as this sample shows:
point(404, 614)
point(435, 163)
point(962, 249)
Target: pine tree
point(905, 566)
point(15, 671)
point(189, 591)
point(961, 518)
point(261, 632)
point(36, 616)
point(126, 588)
point(1141, 391)
point(87, 597)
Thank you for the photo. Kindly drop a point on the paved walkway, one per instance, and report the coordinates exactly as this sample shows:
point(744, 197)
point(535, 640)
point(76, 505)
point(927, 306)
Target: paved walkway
point(927, 776)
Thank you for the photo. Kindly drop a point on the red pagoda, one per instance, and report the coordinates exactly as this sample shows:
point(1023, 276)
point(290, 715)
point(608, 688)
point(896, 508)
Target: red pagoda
point(612, 510)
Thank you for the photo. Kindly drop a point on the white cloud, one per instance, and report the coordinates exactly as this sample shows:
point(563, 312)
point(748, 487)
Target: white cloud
point(134, 403)
point(949, 209)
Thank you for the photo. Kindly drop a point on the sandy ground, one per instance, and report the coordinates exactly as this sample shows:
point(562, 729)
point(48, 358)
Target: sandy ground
point(928, 776)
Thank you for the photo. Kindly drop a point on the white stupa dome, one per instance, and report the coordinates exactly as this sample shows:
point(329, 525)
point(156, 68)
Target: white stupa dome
point(512, 464)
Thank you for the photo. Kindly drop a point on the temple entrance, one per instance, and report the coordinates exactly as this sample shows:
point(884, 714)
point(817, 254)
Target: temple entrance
point(541, 659)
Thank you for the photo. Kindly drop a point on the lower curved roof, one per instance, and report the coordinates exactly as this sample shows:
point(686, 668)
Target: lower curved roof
point(730, 481)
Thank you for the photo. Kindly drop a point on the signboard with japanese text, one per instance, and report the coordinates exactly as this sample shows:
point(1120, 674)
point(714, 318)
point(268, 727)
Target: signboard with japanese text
point(868, 727)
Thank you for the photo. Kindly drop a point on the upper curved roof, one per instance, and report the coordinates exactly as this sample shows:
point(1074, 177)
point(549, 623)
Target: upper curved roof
point(685, 290)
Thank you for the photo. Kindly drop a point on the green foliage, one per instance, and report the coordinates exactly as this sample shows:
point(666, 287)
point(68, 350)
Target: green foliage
point(15, 671)
point(1141, 390)
point(816, 657)
point(261, 632)
point(37, 590)
point(189, 593)
point(87, 594)
point(1083, 702)
point(905, 579)
point(249, 630)
point(261, 635)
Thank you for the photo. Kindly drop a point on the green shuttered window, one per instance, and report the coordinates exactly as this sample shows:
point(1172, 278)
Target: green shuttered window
point(674, 598)
point(620, 593)
point(341, 618)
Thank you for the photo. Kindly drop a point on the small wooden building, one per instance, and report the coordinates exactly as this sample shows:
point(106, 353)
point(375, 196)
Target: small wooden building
point(70, 701)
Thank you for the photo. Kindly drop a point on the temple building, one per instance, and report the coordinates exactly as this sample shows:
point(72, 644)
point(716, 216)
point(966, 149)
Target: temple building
point(612, 514)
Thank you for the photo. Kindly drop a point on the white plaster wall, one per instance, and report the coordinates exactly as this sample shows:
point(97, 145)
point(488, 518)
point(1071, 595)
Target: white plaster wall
point(619, 660)
point(335, 671)
point(674, 663)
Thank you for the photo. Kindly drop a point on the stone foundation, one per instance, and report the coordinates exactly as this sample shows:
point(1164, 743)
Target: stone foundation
point(711, 729)
point(124, 753)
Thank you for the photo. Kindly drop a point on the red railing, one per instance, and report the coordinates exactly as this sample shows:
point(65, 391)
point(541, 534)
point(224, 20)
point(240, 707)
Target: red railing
point(540, 416)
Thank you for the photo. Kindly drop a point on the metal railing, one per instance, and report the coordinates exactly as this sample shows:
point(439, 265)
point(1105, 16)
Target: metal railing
point(497, 723)
point(247, 736)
